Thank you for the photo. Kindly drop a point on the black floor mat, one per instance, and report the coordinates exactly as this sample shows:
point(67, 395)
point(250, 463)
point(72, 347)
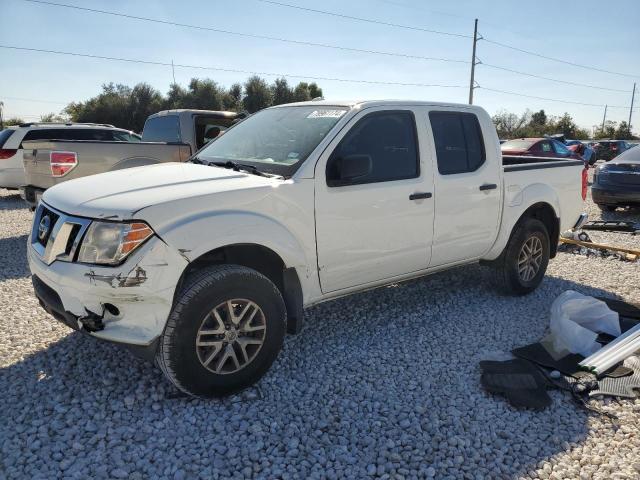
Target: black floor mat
point(624, 309)
point(539, 355)
point(568, 365)
point(518, 380)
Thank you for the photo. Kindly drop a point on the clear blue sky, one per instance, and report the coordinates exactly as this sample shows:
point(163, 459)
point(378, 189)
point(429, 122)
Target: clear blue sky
point(606, 37)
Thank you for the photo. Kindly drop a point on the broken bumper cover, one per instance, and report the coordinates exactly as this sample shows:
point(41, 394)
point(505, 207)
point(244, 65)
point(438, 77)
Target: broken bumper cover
point(127, 304)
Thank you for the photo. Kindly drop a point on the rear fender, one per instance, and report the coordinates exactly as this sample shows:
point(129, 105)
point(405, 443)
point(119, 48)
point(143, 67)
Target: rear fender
point(516, 204)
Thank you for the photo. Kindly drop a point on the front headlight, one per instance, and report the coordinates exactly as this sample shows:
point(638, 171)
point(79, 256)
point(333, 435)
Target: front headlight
point(108, 243)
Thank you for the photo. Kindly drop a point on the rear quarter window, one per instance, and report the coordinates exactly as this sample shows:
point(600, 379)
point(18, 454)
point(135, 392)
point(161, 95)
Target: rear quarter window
point(95, 134)
point(4, 135)
point(161, 129)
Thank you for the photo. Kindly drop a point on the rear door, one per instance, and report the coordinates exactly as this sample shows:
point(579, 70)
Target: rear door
point(467, 190)
point(379, 225)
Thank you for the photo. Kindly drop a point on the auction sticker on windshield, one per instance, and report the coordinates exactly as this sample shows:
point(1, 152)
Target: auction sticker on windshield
point(326, 114)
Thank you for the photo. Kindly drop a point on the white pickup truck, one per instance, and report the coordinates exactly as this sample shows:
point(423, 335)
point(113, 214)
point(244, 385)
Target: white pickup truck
point(204, 266)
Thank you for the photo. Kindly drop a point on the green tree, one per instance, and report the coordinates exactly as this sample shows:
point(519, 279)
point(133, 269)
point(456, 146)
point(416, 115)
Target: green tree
point(539, 118)
point(609, 130)
point(12, 121)
point(257, 94)
point(509, 125)
point(314, 91)
point(233, 98)
point(281, 92)
point(54, 118)
point(623, 132)
point(301, 93)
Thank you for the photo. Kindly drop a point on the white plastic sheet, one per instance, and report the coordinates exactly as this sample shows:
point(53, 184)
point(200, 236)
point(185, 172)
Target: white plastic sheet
point(577, 319)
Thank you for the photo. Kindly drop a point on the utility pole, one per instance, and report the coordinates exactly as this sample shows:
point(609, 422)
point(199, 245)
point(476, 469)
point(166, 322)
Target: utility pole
point(633, 95)
point(603, 120)
point(173, 72)
point(473, 62)
point(1, 116)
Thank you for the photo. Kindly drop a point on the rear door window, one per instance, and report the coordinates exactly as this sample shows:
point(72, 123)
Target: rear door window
point(162, 129)
point(458, 141)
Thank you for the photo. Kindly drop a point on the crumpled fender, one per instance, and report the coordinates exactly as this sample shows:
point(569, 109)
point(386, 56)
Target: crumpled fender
point(196, 235)
point(517, 201)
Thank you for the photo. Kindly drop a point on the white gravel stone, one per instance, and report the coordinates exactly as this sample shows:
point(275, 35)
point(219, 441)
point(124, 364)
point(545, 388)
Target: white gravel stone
point(384, 383)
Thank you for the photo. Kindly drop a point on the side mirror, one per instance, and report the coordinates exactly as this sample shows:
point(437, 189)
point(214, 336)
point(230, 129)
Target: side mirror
point(348, 170)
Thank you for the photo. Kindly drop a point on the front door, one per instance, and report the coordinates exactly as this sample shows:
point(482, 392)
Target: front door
point(467, 190)
point(374, 211)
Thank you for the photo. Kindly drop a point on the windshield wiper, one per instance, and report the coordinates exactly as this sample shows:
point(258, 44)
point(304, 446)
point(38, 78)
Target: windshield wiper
point(240, 166)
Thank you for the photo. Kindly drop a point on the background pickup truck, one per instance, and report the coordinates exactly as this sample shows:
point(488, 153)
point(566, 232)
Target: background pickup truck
point(168, 136)
point(204, 265)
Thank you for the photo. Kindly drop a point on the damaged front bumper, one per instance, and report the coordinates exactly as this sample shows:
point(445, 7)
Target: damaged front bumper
point(128, 304)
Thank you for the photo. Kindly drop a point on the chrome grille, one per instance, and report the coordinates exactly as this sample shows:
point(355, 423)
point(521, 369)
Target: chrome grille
point(56, 235)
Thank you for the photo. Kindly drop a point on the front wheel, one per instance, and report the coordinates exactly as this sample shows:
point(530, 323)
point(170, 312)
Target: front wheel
point(224, 331)
point(523, 263)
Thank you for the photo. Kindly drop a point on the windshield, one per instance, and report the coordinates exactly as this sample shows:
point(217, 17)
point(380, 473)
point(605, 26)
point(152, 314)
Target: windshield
point(276, 140)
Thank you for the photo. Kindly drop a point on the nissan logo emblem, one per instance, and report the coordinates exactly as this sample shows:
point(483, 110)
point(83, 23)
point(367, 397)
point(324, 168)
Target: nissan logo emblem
point(43, 228)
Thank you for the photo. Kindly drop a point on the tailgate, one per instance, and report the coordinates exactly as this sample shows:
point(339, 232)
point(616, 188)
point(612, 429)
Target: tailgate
point(37, 168)
point(95, 157)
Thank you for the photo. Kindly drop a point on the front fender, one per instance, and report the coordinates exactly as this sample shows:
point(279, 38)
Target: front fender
point(516, 203)
point(196, 235)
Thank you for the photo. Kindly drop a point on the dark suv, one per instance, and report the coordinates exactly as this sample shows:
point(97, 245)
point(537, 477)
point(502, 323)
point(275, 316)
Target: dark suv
point(610, 149)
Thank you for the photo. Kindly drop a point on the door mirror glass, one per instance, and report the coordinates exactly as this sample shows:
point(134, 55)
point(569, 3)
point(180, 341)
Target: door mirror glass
point(349, 169)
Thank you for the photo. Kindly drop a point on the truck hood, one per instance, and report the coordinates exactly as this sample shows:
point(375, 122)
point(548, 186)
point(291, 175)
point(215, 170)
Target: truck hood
point(118, 195)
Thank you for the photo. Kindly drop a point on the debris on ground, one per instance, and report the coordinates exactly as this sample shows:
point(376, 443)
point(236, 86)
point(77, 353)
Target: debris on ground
point(571, 357)
point(579, 243)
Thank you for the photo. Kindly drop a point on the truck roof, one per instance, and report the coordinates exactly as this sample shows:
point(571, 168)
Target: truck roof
point(378, 103)
point(187, 111)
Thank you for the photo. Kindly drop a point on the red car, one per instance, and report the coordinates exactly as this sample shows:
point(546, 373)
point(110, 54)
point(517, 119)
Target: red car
point(538, 147)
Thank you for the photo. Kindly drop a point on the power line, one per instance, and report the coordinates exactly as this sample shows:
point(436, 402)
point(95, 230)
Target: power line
point(248, 35)
point(552, 79)
point(232, 70)
point(550, 99)
point(539, 55)
point(367, 20)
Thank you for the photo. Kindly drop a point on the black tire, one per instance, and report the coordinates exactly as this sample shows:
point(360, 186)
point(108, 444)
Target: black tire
point(177, 354)
point(506, 272)
point(607, 208)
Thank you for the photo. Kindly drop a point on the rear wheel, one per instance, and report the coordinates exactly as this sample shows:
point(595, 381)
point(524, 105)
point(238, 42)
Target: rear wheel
point(224, 332)
point(523, 263)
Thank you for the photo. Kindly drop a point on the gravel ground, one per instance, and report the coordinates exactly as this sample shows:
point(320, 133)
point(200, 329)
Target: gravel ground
point(384, 384)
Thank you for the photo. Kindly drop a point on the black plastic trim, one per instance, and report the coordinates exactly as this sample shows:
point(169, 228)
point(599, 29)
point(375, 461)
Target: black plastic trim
point(538, 166)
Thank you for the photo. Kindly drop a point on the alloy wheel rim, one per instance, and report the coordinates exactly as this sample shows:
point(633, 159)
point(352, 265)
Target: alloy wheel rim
point(230, 336)
point(530, 259)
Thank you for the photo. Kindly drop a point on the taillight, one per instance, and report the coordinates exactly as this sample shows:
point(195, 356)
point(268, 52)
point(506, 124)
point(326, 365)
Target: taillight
point(585, 183)
point(62, 162)
point(7, 153)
